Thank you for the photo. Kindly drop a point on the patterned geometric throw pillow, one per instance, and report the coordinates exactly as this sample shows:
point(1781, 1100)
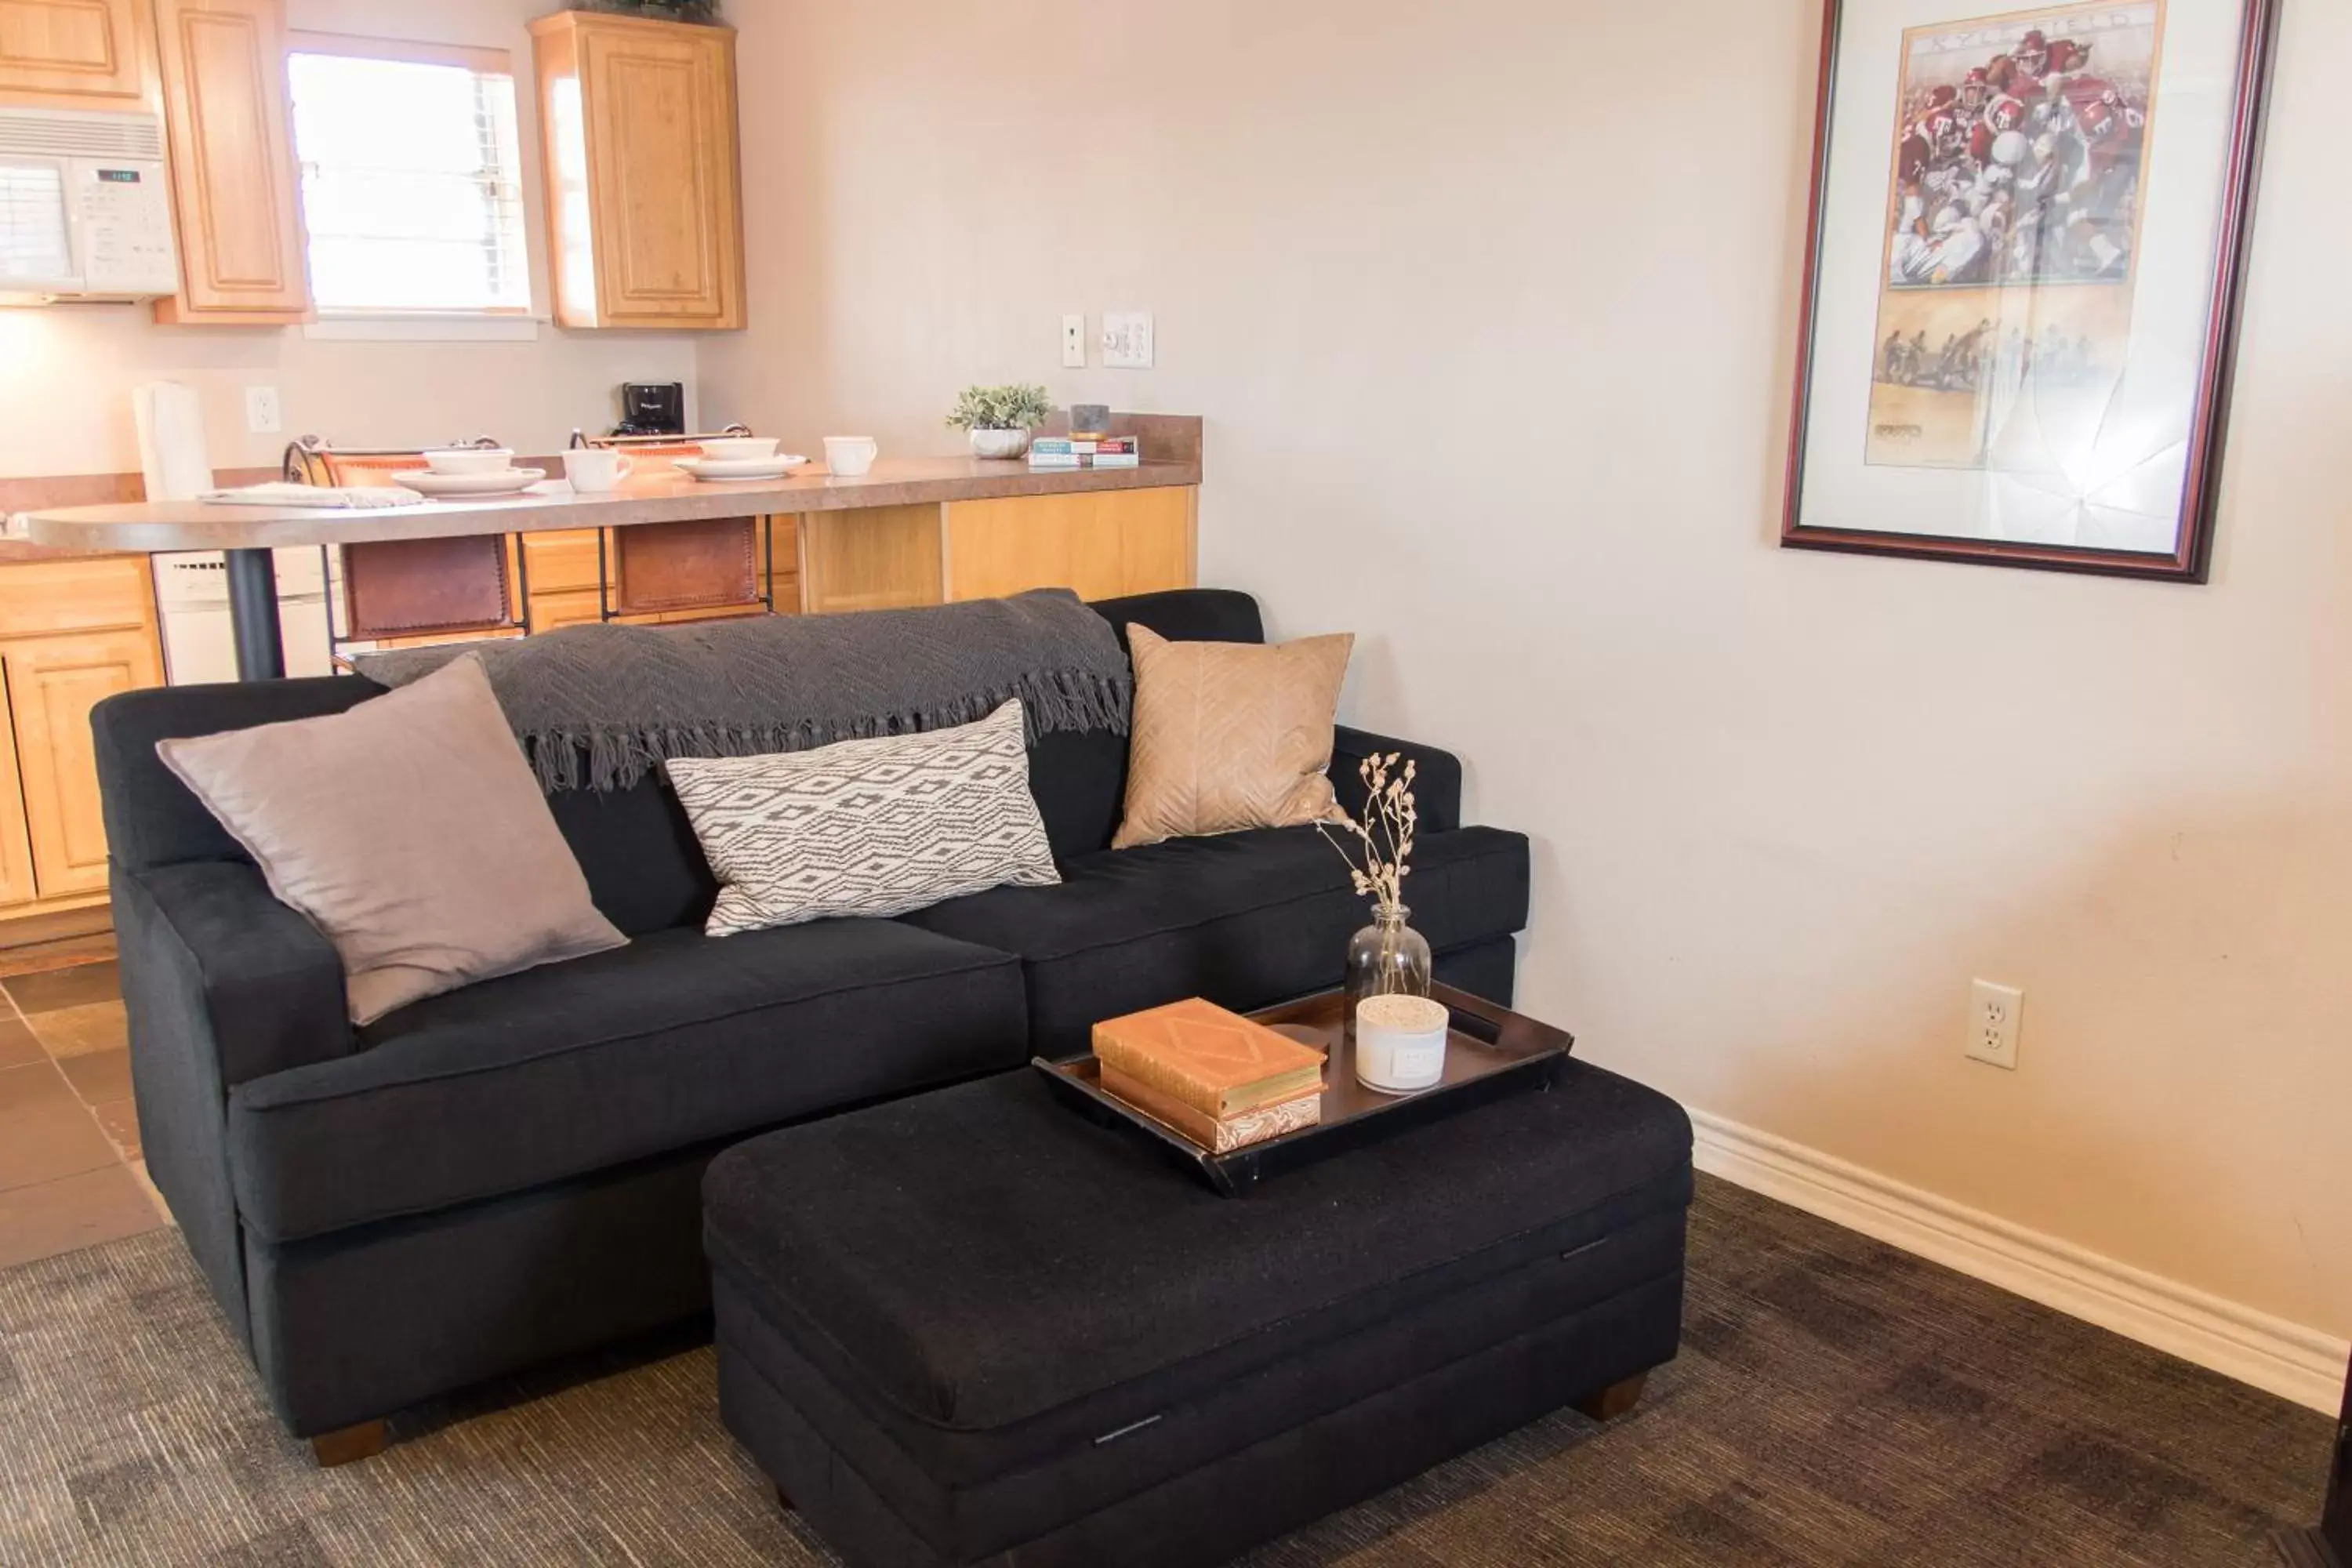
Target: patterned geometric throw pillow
point(867, 828)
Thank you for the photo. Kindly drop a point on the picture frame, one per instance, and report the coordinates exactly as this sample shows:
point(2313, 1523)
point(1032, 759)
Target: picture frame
point(2020, 315)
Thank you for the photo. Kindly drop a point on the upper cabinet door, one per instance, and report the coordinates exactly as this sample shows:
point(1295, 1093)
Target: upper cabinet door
point(644, 201)
point(233, 177)
point(79, 48)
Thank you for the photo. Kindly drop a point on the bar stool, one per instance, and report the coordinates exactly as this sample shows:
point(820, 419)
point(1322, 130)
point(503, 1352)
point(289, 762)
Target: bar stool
point(720, 565)
point(426, 589)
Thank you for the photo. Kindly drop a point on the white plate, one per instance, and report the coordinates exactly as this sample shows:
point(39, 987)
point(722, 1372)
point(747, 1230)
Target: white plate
point(511, 482)
point(774, 468)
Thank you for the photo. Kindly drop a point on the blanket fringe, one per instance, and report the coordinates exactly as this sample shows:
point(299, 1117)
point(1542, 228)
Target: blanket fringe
point(607, 757)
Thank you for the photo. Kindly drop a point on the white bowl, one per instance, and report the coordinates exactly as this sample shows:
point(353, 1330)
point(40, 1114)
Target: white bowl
point(741, 449)
point(470, 460)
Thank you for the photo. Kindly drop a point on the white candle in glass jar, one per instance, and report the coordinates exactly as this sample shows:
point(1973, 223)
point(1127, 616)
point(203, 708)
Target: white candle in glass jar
point(1399, 1043)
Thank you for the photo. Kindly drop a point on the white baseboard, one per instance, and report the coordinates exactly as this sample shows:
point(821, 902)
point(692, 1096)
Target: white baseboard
point(2286, 1359)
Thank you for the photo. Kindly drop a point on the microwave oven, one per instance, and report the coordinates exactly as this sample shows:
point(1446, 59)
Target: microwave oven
point(85, 212)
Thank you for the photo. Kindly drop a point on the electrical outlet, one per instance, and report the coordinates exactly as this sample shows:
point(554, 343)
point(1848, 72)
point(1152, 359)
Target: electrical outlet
point(262, 416)
point(1126, 340)
point(1995, 1012)
point(1074, 343)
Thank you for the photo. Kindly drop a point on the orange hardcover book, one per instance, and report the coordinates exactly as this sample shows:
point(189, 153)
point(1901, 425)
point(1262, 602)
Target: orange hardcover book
point(1215, 1062)
point(1218, 1137)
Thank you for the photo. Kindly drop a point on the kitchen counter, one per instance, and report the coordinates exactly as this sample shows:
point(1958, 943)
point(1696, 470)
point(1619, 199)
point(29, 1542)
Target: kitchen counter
point(164, 526)
point(20, 552)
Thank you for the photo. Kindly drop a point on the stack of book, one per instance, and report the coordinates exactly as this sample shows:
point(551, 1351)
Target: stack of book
point(1085, 452)
point(1209, 1076)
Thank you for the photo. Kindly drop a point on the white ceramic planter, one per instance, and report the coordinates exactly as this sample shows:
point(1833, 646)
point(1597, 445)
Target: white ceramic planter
point(1399, 1043)
point(1000, 443)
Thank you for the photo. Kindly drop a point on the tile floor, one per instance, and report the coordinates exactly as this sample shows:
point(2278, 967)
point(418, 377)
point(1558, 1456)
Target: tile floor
point(70, 1174)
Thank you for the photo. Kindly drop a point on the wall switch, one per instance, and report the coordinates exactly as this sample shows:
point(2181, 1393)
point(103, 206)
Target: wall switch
point(1126, 340)
point(1994, 1014)
point(1074, 343)
point(262, 416)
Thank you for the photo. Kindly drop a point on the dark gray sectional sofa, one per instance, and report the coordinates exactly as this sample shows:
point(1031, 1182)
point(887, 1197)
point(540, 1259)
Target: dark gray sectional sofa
point(510, 1173)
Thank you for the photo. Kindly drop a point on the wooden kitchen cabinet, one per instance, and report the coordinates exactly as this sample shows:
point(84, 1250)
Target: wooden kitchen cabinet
point(1106, 544)
point(16, 885)
point(235, 188)
point(53, 683)
point(643, 179)
point(73, 632)
point(875, 558)
point(73, 49)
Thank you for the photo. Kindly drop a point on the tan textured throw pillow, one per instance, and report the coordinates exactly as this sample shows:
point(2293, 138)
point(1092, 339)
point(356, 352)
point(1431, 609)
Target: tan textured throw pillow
point(411, 831)
point(1228, 736)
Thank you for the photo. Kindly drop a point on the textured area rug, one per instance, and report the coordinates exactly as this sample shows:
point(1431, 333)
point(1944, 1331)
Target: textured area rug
point(1836, 1402)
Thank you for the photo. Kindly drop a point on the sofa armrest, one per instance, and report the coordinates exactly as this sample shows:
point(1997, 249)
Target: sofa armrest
point(1437, 776)
point(222, 983)
point(241, 977)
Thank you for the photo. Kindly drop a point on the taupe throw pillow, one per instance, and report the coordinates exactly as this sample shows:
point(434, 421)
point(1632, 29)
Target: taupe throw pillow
point(867, 828)
point(1228, 736)
point(411, 831)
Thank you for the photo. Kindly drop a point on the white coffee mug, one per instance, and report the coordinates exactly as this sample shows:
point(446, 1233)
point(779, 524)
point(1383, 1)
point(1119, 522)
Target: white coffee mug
point(592, 471)
point(850, 456)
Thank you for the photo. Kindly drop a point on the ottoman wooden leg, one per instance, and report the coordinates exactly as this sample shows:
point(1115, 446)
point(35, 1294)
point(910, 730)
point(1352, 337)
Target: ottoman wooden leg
point(363, 1441)
point(1617, 1399)
point(783, 1498)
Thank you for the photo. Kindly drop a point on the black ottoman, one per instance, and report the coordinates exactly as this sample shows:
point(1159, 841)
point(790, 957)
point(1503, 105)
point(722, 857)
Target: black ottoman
point(972, 1327)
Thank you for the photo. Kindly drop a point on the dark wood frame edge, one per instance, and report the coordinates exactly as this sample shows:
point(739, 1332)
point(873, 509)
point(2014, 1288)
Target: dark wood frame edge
point(2192, 560)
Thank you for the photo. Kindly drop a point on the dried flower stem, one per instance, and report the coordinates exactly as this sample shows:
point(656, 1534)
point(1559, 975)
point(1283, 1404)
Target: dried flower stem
point(1376, 860)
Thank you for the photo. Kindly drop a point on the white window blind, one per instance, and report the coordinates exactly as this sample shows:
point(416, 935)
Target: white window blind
point(411, 186)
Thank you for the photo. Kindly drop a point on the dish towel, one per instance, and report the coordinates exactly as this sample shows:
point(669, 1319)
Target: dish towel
point(283, 494)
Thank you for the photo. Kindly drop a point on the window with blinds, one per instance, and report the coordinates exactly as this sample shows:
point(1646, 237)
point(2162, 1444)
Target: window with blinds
point(412, 190)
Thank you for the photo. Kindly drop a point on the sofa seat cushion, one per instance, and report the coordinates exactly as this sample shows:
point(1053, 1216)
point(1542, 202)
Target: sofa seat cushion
point(675, 1040)
point(1246, 920)
point(992, 1278)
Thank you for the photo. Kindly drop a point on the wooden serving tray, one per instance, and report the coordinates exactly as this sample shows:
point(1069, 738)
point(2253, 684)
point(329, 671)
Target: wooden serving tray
point(1490, 1052)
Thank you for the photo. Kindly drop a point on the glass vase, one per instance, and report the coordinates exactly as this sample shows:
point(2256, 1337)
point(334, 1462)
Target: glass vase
point(1387, 957)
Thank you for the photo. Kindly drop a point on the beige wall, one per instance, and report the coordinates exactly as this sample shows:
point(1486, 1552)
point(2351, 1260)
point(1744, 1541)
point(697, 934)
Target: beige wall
point(66, 372)
point(1489, 311)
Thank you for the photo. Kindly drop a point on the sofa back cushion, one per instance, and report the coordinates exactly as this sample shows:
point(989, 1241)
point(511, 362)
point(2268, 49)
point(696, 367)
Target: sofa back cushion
point(644, 870)
point(1080, 779)
point(635, 845)
point(151, 818)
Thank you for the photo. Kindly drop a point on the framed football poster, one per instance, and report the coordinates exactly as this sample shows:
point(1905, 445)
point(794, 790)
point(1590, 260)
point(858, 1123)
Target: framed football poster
point(2028, 246)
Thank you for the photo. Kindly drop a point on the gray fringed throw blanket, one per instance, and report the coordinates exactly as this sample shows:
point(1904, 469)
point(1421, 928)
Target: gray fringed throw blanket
point(601, 707)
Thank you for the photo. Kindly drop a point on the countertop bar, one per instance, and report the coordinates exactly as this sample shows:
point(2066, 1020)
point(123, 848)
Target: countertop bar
point(155, 527)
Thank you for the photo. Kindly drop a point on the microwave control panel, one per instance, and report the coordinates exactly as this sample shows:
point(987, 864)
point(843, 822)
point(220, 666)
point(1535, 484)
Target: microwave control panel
point(121, 216)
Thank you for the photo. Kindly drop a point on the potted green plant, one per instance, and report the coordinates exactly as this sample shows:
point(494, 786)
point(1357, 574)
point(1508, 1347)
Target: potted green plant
point(1000, 418)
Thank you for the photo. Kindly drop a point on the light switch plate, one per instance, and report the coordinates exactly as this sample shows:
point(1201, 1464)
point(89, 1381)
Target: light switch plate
point(1074, 341)
point(1126, 340)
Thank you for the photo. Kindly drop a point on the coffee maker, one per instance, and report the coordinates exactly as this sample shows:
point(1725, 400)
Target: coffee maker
point(652, 408)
